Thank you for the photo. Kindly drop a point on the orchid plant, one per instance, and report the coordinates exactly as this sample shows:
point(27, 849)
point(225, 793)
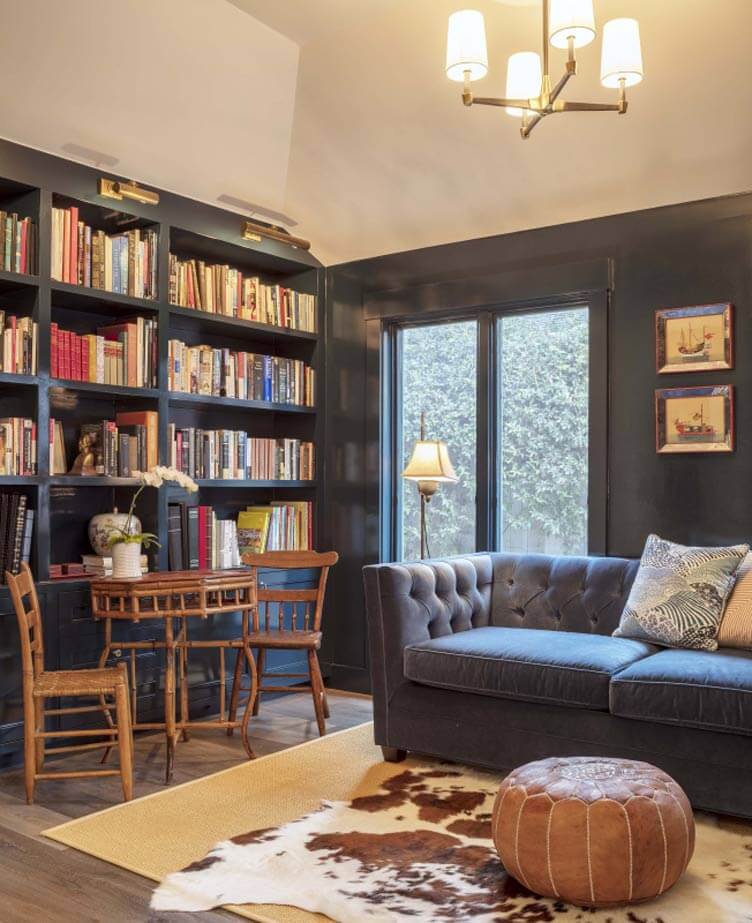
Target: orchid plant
point(158, 476)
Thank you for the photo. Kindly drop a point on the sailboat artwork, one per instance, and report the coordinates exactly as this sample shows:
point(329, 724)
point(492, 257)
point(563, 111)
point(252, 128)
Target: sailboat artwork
point(694, 419)
point(695, 339)
point(693, 347)
point(696, 429)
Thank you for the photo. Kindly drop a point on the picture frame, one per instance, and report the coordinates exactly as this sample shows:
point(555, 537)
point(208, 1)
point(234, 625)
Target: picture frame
point(695, 419)
point(694, 339)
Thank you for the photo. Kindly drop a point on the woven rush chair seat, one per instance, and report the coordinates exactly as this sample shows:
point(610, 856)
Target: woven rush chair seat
point(79, 682)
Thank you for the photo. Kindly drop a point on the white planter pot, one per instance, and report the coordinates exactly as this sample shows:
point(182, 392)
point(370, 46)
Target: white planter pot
point(103, 525)
point(126, 560)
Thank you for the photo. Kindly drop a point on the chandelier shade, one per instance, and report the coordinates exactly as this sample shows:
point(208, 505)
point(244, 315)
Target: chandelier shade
point(466, 46)
point(523, 78)
point(621, 58)
point(571, 19)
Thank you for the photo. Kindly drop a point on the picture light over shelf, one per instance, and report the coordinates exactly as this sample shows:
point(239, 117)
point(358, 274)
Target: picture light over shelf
point(119, 190)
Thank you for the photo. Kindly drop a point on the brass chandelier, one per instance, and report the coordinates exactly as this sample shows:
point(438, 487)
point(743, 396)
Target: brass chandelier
point(531, 95)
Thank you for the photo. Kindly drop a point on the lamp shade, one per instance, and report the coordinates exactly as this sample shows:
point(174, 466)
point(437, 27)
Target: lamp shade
point(571, 19)
point(466, 46)
point(430, 462)
point(523, 78)
point(621, 58)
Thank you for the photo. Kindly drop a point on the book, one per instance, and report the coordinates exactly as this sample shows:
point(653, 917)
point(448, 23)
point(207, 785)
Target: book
point(222, 289)
point(192, 519)
point(149, 420)
point(18, 344)
point(18, 446)
point(16, 532)
point(253, 528)
point(123, 263)
point(241, 375)
point(118, 354)
point(58, 463)
point(101, 565)
point(17, 243)
point(174, 537)
point(235, 455)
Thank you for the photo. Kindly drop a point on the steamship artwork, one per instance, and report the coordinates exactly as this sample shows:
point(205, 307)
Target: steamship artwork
point(694, 339)
point(694, 419)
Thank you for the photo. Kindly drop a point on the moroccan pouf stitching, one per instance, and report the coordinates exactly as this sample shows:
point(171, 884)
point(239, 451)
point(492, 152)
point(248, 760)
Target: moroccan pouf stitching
point(593, 831)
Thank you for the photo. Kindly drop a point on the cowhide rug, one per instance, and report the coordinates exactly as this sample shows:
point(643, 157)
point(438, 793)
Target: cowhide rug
point(419, 850)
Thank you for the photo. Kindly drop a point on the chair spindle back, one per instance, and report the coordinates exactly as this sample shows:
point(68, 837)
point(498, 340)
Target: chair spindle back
point(23, 592)
point(306, 607)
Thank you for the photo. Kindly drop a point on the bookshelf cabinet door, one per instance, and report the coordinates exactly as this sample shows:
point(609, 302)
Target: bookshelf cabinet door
point(11, 696)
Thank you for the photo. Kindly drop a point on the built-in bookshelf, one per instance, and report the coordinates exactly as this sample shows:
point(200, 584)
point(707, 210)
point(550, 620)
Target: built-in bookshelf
point(119, 293)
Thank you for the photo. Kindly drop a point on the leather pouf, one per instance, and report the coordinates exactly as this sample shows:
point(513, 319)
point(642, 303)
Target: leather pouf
point(593, 831)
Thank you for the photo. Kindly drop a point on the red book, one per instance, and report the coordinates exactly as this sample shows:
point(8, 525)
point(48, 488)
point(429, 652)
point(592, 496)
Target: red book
point(85, 359)
point(202, 513)
point(53, 351)
point(66, 364)
point(75, 357)
point(13, 366)
point(73, 252)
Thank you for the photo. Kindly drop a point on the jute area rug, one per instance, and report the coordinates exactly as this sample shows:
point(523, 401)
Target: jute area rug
point(332, 827)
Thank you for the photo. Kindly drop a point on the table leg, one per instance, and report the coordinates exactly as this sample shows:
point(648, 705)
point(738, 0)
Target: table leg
point(170, 731)
point(253, 692)
point(183, 661)
point(103, 658)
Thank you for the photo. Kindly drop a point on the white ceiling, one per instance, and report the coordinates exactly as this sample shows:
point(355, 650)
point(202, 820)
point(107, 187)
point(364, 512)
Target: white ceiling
point(342, 118)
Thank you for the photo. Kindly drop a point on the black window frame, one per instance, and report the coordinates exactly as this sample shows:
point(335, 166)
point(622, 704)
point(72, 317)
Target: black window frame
point(487, 511)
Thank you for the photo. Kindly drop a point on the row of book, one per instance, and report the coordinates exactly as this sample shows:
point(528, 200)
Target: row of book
point(224, 290)
point(125, 263)
point(198, 538)
point(234, 373)
point(232, 454)
point(18, 243)
point(18, 344)
point(277, 527)
point(118, 354)
point(98, 565)
point(110, 448)
point(16, 528)
point(18, 446)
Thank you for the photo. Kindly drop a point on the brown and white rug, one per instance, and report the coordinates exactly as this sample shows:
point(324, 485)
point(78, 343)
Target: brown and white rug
point(419, 849)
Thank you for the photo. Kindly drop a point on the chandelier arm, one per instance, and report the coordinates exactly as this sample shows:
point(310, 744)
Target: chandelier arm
point(511, 103)
point(528, 126)
point(566, 106)
point(560, 85)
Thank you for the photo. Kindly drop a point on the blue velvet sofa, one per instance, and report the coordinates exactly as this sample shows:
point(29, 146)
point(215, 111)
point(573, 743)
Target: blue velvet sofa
point(498, 659)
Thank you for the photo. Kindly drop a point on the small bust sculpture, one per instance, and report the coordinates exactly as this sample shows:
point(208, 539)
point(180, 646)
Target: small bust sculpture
point(85, 463)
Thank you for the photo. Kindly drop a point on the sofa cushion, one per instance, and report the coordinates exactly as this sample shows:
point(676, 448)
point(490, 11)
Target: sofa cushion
point(565, 668)
point(692, 688)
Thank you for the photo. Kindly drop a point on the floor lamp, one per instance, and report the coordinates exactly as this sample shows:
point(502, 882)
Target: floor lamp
point(429, 466)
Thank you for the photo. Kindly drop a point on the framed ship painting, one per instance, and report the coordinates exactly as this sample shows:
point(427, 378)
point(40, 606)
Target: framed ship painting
point(694, 339)
point(695, 419)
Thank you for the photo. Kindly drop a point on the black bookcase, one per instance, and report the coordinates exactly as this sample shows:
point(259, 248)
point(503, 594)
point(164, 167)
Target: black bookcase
point(31, 183)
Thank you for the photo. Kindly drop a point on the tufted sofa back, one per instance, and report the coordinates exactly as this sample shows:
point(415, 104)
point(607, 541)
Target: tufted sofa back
point(560, 593)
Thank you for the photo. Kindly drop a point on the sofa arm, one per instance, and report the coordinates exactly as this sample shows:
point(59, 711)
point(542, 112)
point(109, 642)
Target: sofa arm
point(409, 603)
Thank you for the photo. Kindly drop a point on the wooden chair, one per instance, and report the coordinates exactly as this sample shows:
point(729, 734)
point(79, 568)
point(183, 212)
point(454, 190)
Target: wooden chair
point(38, 685)
point(303, 633)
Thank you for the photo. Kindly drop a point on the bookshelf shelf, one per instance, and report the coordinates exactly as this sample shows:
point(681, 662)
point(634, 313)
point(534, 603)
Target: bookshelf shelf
point(79, 297)
point(205, 321)
point(11, 280)
point(19, 381)
point(77, 480)
point(17, 480)
point(181, 399)
point(264, 485)
point(105, 392)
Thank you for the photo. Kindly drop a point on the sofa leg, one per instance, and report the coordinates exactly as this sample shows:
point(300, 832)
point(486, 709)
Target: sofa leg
point(393, 755)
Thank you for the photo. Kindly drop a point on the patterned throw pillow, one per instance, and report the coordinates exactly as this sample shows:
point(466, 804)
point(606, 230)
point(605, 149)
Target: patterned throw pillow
point(679, 593)
point(736, 627)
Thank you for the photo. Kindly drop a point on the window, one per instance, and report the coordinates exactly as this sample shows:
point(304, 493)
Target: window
point(438, 374)
point(543, 431)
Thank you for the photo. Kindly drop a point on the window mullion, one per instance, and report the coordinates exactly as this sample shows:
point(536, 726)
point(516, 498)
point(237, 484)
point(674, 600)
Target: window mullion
point(485, 441)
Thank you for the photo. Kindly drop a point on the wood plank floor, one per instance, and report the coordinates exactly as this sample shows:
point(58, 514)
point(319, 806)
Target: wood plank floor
point(42, 881)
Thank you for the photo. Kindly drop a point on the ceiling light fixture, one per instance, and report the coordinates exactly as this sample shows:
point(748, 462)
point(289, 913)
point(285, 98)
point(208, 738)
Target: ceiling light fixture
point(567, 24)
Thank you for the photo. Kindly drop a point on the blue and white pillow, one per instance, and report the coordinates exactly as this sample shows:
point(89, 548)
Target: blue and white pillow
point(679, 594)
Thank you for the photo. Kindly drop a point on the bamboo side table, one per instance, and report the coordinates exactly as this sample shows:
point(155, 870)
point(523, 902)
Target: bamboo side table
point(180, 595)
